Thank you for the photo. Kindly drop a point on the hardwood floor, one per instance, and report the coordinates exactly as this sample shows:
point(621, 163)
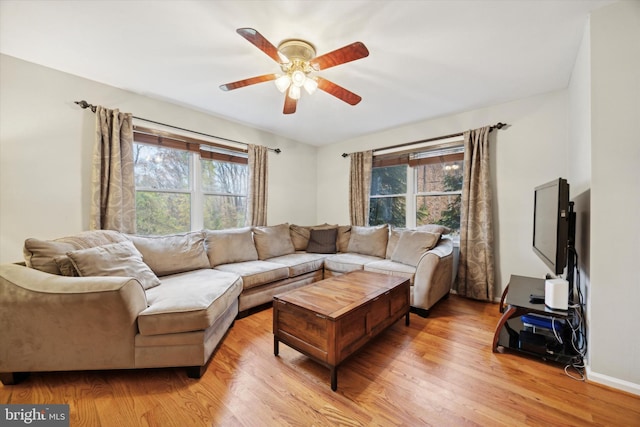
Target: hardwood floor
point(437, 371)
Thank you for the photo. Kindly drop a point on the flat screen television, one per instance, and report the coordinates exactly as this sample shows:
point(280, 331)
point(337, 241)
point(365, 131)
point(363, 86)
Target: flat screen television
point(551, 224)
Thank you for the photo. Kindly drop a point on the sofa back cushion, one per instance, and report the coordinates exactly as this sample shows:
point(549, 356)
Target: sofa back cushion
point(173, 254)
point(116, 259)
point(342, 240)
point(412, 245)
point(50, 256)
point(369, 240)
point(273, 241)
point(230, 246)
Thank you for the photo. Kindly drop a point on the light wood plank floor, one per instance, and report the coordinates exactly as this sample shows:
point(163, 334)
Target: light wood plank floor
point(437, 371)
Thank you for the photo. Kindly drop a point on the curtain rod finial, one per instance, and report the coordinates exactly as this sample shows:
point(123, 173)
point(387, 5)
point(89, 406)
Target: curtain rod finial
point(345, 155)
point(84, 104)
point(277, 151)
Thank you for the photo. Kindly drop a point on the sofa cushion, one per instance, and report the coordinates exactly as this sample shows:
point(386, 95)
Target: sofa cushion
point(190, 301)
point(230, 246)
point(300, 234)
point(273, 241)
point(300, 263)
point(434, 228)
point(42, 254)
point(256, 273)
point(342, 240)
point(174, 253)
point(116, 259)
point(343, 263)
point(412, 245)
point(392, 268)
point(369, 240)
point(323, 241)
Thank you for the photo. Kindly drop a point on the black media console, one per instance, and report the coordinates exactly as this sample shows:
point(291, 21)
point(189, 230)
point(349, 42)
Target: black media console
point(528, 328)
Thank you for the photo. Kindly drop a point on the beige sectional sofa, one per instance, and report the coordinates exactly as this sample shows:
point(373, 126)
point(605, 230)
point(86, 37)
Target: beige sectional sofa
point(106, 300)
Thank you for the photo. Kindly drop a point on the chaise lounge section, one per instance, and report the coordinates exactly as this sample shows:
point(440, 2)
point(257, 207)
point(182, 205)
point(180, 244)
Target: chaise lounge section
point(107, 300)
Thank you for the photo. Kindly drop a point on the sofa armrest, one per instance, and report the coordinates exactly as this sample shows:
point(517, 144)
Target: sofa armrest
point(59, 323)
point(434, 273)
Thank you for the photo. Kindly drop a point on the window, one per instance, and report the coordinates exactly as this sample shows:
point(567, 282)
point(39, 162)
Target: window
point(224, 186)
point(387, 201)
point(438, 188)
point(420, 188)
point(183, 187)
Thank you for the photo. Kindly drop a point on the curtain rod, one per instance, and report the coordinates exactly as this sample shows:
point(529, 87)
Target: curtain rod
point(498, 125)
point(84, 104)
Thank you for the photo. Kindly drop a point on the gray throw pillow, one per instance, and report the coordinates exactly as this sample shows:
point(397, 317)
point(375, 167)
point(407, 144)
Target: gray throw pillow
point(323, 241)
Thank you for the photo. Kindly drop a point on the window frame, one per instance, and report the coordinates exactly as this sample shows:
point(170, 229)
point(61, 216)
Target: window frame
point(198, 150)
point(412, 159)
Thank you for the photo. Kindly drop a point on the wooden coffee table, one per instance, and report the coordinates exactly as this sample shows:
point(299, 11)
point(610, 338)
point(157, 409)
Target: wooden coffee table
point(329, 320)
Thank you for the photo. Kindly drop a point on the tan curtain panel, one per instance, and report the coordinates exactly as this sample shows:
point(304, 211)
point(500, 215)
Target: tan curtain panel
point(113, 201)
point(360, 187)
point(476, 275)
point(258, 158)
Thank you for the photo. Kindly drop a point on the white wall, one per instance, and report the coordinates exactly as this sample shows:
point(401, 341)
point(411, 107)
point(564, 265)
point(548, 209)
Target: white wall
point(530, 152)
point(615, 196)
point(46, 143)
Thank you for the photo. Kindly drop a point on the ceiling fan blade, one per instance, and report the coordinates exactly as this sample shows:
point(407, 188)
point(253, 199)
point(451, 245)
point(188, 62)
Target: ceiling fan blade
point(345, 54)
point(338, 91)
point(289, 104)
point(247, 82)
point(258, 40)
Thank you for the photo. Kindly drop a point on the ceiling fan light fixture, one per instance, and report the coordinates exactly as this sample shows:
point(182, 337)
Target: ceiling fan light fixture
point(298, 78)
point(310, 85)
point(283, 82)
point(294, 92)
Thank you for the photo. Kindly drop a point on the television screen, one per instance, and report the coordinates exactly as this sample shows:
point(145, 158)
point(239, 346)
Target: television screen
point(551, 224)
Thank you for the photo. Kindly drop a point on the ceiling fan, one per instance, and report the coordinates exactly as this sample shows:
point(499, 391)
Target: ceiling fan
point(298, 60)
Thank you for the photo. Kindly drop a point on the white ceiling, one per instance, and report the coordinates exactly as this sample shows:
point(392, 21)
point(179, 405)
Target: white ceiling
point(427, 58)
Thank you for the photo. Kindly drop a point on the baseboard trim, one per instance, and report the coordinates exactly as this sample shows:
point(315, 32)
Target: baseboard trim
point(612, 382)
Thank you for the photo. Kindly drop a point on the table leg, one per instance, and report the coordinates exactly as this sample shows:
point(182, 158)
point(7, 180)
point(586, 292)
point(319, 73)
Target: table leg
point(276, 347)
point(334, 378)
point(509, 312)
point(406, 320)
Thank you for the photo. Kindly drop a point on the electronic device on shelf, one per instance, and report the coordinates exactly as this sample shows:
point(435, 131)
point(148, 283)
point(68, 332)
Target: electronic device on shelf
point(535, 320)
point(554, 229)
point(536, 299)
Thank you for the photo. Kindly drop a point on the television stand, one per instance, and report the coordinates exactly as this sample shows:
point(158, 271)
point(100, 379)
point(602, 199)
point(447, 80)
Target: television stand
point(512, 335)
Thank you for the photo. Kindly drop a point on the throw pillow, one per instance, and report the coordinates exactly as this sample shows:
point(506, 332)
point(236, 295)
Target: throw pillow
point(412, 245)
point(173, 254)
point(51, 255)
point(323, 241)
point(273, 241)
point(300, 234)
point(369, 240)
point(116, 259)
point(230, 246)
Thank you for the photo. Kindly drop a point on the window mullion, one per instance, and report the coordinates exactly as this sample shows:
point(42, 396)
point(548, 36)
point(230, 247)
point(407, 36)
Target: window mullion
point(411, 197)
point(197, 197)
